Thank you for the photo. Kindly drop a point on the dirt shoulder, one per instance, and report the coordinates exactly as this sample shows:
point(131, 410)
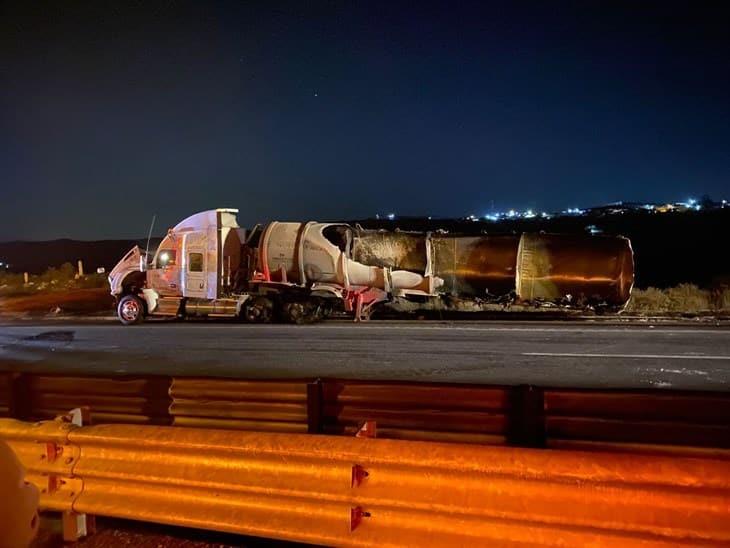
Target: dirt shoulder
point(72, 302)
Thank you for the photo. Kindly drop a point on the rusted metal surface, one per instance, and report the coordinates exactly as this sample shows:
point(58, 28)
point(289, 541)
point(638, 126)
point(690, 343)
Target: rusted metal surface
point(567, 269)
point(572, 268)
point(476, 266)
point(300, 487)
point(396, 250)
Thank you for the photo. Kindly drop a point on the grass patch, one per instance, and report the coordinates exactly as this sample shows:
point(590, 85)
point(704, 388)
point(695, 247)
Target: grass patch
point(648, 300)
point(684, 299)
point(688, 298)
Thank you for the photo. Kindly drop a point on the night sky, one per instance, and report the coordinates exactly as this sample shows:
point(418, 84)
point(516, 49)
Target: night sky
point(110, 112)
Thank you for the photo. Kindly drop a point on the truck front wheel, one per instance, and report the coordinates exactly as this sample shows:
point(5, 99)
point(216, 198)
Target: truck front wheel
point(130, 310)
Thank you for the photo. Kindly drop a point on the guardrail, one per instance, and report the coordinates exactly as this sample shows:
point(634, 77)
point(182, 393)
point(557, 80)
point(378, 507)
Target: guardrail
point(276, 406)
point(524, 416)
point(132, 400)
point(346, 491)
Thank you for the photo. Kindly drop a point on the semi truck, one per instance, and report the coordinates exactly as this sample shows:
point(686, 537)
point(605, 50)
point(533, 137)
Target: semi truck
point(207, 265)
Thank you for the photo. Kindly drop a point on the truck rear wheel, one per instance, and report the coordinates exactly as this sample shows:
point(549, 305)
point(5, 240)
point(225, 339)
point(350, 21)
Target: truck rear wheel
point(296, 312)
point(259, 310)
point(130, 310)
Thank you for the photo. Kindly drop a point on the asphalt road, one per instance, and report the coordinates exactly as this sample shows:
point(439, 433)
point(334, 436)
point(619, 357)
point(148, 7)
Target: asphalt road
point(541, 353)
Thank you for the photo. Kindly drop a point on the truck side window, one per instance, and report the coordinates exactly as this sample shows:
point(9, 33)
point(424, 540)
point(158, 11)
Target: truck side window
point(195, 262)
point(166, 257)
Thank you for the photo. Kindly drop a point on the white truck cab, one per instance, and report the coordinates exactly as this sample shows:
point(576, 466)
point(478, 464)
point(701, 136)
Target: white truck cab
point(193, 264)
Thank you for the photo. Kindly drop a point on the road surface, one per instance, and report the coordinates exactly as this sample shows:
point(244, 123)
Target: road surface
point(541, 353)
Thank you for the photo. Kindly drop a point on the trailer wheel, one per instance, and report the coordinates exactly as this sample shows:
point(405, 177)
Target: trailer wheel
point(130, 310)
point(296, 312)
point(260, 310)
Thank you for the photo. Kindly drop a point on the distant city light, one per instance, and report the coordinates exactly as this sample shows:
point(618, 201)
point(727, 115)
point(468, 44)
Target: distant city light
point(391, 216)
point(616, 208)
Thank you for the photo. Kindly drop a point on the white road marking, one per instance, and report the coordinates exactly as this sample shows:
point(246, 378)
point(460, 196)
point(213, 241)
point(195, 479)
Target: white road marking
point(685, 372)
point(631, 356)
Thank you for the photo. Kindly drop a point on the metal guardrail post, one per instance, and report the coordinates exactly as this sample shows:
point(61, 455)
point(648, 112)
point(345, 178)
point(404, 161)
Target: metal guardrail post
point(20, 405)
point(315, 406)
point(526, 417)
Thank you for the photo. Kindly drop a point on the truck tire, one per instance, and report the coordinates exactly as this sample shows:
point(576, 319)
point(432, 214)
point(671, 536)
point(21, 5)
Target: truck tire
point(130, 310)
point(296, 312)
point(259, 310)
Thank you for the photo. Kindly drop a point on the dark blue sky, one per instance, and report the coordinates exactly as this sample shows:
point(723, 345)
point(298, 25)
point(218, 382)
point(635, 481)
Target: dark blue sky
point(111, 112)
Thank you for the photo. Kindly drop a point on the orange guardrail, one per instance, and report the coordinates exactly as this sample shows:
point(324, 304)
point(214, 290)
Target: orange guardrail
point(697, 419)
point(48, 459)
point(243, 405)
point(642, 421)
point(464, 413)
point(121, 399)
point(344, 491)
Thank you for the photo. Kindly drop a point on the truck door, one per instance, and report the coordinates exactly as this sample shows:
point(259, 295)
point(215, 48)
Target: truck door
point(195, 275)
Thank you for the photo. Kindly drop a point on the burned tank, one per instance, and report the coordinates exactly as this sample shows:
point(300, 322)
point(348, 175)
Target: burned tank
point(536, 269)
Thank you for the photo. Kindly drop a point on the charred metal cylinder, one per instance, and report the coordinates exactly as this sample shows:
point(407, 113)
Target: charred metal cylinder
point(567, 269)
point(476, 266)
point(580, 269)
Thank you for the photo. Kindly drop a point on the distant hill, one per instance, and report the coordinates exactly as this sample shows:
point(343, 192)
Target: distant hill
point(35, 257)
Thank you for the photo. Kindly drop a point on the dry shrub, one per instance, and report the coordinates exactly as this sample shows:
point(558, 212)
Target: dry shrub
point(92, 281)
point(688, 298)
point(650, 300)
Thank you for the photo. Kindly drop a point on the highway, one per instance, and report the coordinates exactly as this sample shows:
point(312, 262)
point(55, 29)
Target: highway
point(541, 353)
